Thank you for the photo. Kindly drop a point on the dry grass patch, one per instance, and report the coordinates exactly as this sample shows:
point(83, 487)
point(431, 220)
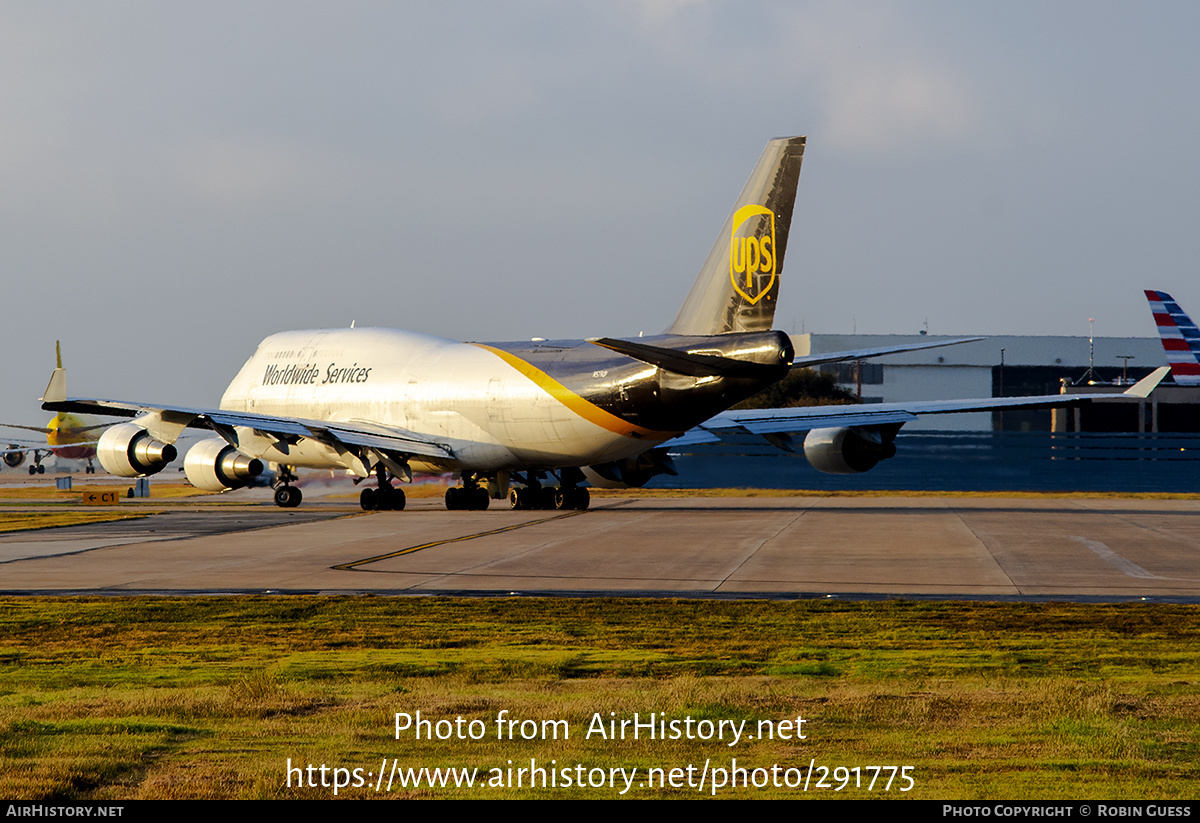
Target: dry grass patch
point(210, 697)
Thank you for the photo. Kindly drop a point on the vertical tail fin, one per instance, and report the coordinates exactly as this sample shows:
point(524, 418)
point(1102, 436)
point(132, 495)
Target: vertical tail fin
point(1180, 338)
point(738, 284)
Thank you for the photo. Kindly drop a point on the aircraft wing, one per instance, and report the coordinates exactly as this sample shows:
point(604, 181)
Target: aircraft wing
point(808, 361)
point(28, 447)
point(286, 429)
point(45, 430)
point(39, 429)
point(773, 422)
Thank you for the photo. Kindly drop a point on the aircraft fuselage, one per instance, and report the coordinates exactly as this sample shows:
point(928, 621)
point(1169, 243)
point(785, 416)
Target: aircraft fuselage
point(545, 404)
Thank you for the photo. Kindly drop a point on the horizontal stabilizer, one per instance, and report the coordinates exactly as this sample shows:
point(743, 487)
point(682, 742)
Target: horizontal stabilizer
point(693, 365)
point(809, 361)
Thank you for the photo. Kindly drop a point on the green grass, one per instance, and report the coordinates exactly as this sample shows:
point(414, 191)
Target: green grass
point(210, 697)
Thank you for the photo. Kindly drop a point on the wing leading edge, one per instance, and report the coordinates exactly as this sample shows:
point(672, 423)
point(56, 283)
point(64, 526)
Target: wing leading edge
point(166, 423)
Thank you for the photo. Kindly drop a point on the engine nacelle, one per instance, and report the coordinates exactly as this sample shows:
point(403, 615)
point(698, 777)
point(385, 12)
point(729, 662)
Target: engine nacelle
point(12, 459)
point(848, 450)
point(128, 450)
point(632, 472)
point(216, 466)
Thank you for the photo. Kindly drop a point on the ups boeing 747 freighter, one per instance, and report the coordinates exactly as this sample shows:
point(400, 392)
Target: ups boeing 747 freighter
point(533, 422)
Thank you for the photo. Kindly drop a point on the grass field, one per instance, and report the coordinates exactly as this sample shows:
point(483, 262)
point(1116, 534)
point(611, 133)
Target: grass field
point(211, 697)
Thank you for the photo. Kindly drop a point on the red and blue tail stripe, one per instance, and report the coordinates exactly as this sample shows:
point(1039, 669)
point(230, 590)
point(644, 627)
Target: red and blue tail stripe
point(1180, 337)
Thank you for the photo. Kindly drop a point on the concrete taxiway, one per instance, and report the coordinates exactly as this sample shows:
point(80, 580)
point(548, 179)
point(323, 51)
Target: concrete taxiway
point(1103, 548)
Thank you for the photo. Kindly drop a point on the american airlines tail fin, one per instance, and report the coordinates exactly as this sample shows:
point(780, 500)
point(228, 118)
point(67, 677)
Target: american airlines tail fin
point(738, 285)
point(1180, 338)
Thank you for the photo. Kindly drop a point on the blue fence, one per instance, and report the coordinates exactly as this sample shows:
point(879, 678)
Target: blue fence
point(962, 461)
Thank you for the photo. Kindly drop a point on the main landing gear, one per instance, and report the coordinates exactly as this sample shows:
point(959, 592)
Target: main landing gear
point(568, 495)
point(385, 498)
point(287, 496)
point(539, 497)
point(470, 496)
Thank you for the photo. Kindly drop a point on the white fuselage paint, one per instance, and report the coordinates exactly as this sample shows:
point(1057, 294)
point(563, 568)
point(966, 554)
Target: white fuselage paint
point(462, 395)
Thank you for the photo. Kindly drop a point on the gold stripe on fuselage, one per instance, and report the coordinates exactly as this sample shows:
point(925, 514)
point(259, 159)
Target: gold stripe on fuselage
point(584, 408)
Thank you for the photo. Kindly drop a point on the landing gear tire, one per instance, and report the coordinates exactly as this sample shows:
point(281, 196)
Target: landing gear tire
point(467, 499)
point(537, 497)
point(390, 499)
point(572, 497)
point(288, 497)
point(383, 499)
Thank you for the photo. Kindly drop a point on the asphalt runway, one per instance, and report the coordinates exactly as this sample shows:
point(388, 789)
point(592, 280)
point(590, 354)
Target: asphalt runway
point(1035, 548)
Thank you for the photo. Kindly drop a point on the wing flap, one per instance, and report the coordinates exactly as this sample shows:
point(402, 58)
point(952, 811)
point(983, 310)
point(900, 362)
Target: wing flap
point(372, 436)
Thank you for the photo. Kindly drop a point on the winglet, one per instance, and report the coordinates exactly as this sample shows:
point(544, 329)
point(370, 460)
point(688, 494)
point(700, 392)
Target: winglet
point(1147, 384)
point(56, 389)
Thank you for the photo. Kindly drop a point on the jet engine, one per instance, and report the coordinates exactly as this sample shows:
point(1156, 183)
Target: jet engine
point(215, 466)
point(848, 450)
point(12, 459)
point(128, 450)
point(632, 472)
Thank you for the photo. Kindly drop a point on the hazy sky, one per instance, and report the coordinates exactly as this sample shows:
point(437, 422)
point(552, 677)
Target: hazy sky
point(181, 179)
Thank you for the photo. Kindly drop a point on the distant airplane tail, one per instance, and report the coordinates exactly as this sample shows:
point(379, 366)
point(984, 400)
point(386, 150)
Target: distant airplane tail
point(738, 284)
point(1180, 338)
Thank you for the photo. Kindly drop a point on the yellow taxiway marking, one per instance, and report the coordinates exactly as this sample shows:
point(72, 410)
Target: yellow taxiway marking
point(352, 566)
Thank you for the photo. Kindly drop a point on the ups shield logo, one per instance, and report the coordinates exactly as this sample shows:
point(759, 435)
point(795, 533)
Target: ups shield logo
point(752, 252)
